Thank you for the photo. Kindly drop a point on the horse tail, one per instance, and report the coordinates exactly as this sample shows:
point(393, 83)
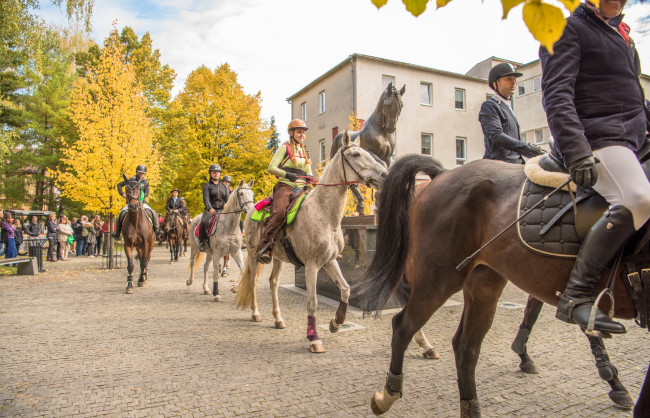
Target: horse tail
point(244, 296)
point(197, 259)
point(385, 276)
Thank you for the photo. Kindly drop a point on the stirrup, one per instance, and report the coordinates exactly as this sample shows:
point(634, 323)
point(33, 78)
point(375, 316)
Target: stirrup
point(594, 309)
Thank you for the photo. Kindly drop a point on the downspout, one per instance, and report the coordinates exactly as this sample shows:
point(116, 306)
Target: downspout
point(353, 74)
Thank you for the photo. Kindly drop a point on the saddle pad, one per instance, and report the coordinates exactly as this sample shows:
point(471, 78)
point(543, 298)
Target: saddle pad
point(561, 238)
point(211, 222)
point(260, 215)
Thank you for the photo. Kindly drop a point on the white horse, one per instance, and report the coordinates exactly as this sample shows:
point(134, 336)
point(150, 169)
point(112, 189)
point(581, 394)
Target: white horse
point(316, 237)
point(226, 239)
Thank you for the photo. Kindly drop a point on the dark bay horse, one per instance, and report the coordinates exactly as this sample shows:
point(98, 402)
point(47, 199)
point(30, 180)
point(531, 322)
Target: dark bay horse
point(377, 135)
point(174, 228)
point(421, 240)
point(137, 232)
point(186, 230)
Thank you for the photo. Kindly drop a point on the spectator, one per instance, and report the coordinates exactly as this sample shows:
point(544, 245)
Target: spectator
point(97, 223)
point(90, 237)
point(18, 235)
point(64, 234)
point(8, 236)
point(41, 227)
point(2, 244)
point(78, 230)
point(52, 229)
point(33, 229)
point(73, 225)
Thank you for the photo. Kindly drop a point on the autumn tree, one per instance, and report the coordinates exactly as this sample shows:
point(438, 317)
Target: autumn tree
point(115, 134)
point(355, 124)
point(274, 140)
point(212, 120)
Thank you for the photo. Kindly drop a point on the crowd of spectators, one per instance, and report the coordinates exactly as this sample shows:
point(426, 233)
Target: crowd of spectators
point(81, 236)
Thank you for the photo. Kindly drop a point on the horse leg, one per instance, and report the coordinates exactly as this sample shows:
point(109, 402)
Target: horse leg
point(607, 371)
point(194, 252)
point(315, 343)
point(129, 268)
point(531, 313)
point(215, 276)
point(430, 351)
point(144, 261)
point(206, 269)
point(481, 293)
point(274, 283)
point(171, 250)
point(359, 198)
point(253, 278)
point(334, 271)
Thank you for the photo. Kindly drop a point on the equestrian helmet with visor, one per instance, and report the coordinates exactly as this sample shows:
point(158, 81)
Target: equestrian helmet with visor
point(227, 178)
point(501, 70)
point(215, 167)
point(296, 123)
point(141, 169)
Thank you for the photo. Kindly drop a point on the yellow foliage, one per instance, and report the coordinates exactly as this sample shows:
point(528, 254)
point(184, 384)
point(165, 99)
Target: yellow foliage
point(115, 135)
point(508, 5)
point(354, 124)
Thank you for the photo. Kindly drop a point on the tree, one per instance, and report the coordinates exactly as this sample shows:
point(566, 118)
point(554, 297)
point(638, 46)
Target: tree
point(544, 21)
point(274, 140)
point(115, 134)
point(212, 120)
point(355, 124)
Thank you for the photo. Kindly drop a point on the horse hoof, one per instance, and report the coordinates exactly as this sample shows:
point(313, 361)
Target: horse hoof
point(280, 325)
point(129, 290)
point(217, 298)
point(621, 398)
point(256, 318)
point(187, 282)
point(224, 274)
point(382, 401)
point(140, 284)
point(431, 353)
point(528, 367)
point(316, 347)
point(334, 327)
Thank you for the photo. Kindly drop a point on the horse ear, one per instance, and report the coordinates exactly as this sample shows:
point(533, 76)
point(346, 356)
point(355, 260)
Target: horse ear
point(402, 90)
point(346, 139)
point(250, 183)
point(241, 182)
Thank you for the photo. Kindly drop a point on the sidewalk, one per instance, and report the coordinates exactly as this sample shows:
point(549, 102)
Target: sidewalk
point(73, 343)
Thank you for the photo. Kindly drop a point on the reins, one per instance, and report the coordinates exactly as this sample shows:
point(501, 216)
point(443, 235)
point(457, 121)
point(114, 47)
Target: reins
point(314, 182)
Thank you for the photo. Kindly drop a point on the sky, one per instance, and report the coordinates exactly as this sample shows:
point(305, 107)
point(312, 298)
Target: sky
point(279, 46)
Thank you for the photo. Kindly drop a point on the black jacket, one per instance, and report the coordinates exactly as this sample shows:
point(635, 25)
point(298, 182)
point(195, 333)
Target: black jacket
point(590, 88)
point(501, 133)
point(33, 230)
point(52, 229)
point(180, 205)
point(215, 195)
point(143, 182)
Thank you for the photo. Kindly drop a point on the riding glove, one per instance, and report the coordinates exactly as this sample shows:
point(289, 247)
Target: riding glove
point(292, 177)
point(584, 172)
point(536, 149)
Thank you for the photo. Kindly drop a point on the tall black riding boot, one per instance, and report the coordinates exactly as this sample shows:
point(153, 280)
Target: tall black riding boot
point(156, 223)
point(604, 240)
point(118, 225)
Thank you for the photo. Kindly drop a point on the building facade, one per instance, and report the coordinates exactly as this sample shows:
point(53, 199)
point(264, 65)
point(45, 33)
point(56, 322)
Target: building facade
point(440, 113)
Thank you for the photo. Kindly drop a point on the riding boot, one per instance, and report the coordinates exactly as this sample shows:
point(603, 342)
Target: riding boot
point(156, 223)
point(118, 225)
point(604, 240)
point(265, 251)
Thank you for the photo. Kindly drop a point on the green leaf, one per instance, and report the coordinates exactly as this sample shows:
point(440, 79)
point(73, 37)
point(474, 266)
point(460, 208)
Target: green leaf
point(545, 22)
point(379, 3)
point(416, 7)
point(509, 5)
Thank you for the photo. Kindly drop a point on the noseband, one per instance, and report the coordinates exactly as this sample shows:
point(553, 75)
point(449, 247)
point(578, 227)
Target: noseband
point(241, 205)
point(344, 160)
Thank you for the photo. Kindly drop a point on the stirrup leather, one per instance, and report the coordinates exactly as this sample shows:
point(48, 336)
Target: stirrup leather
point(566, 305)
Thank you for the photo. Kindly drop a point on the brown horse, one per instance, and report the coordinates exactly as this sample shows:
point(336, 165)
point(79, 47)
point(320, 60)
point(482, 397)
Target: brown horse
point(174, 229)
point(186, 230)
point(421, 240)
point(137, 231)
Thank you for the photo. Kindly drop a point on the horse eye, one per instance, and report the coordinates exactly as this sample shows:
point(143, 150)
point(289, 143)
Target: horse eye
point(356, 154)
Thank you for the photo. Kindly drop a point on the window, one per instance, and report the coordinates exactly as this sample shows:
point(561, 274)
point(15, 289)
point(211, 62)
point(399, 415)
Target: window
point(321, 147)
point(321, 102)
point(537, 83)
point(427, 144)
point(425, 94)
point(460, 99)
point(386, 80)
point(523, 136)
point(521, 89)
point(539, 136)
point(335, 131)
point(303, 111)
point(461, 154)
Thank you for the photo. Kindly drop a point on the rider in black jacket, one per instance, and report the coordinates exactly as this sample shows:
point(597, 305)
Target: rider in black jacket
point(215, 196)
point(140, 173)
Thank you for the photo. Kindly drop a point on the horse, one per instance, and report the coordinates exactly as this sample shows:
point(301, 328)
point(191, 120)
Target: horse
point(137, 231)
point(186, 230)
point(377, 135)
point(226, 239)
point(173, 228)
point(315, 236)
point(421, 240)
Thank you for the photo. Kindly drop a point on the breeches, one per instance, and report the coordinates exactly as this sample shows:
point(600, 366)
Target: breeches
point(622, 181)
point(281, 196)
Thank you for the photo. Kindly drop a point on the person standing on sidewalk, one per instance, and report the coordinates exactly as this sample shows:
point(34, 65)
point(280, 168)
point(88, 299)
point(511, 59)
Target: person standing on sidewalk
point(52, 232)
point(9, 236)
point(65, 231)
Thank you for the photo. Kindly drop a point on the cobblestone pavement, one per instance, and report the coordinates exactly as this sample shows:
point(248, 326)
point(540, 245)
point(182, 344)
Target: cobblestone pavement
point(74, 344)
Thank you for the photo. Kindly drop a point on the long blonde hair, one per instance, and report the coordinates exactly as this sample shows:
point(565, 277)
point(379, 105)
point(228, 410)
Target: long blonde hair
point(295, 147)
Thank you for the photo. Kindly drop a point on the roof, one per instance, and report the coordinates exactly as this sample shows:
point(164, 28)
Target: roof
point(385, 61)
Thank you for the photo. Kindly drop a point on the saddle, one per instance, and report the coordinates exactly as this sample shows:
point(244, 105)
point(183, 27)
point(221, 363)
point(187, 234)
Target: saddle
point(554, 229)
point(210, 229)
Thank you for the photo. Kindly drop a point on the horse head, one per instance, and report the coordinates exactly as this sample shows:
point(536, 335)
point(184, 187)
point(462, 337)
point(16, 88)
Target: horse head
point(244, 195)
point(133, 191)
point(390, 106)
point(367, 167)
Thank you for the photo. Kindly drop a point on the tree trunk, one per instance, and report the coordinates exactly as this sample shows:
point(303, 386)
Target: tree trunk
point(111, 259)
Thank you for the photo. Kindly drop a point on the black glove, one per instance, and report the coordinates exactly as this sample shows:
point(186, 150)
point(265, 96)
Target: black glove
point(536, 149)
point(292, 177)
point(583, 171)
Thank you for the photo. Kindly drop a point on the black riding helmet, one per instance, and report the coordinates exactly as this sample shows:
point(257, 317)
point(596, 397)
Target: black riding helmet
point(215, 167)
point(141, 169)
point(501, 70)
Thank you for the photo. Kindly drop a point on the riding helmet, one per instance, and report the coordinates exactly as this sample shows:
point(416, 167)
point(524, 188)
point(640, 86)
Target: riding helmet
point(501, 70)
point(296, 123)
point(227, 178)
point(141, 169)
point(215, 167)
point(175, 190)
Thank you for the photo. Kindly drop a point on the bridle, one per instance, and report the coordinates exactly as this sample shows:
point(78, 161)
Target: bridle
point(130, 197)
point(239, 202)
point(344, 160)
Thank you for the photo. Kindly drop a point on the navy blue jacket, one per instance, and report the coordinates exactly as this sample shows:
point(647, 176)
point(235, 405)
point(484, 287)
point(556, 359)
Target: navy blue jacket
point(590, 88)
point(501, 133)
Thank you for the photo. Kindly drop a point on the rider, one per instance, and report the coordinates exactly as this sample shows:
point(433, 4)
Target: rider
point(289, 162)
point(595, 109)
point(215, 196)
point(176, 204)
point(140, 173)
point(500, 127)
